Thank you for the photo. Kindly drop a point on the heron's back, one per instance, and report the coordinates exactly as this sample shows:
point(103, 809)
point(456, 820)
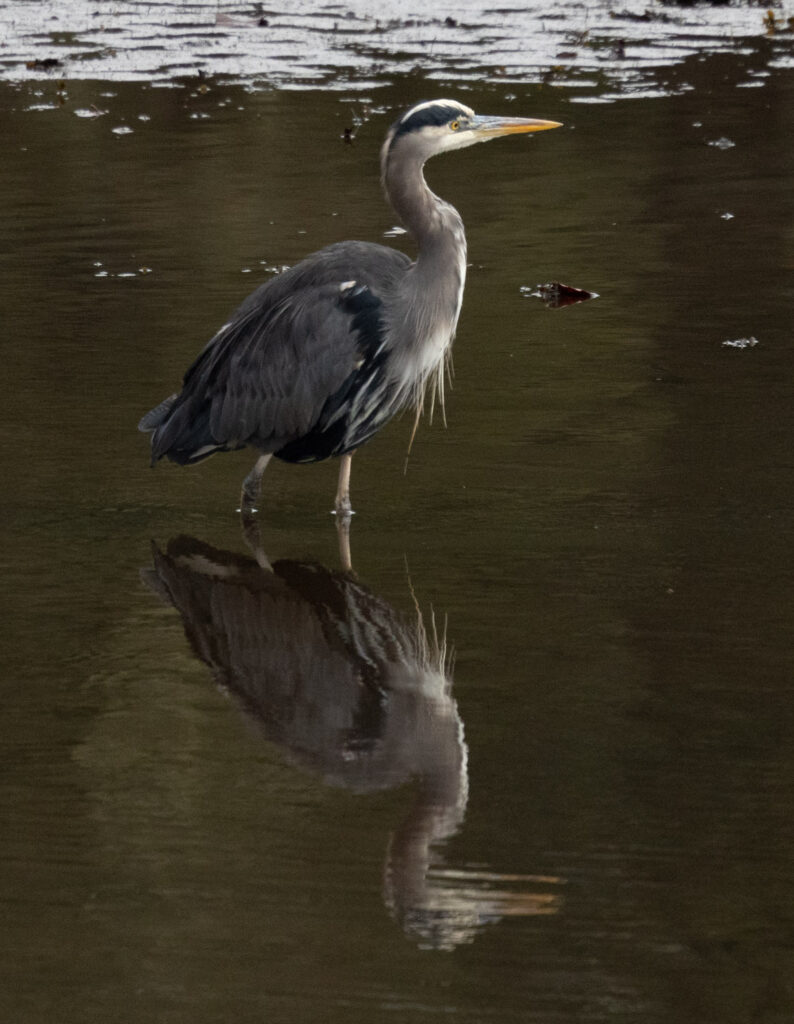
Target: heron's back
point(299, 369)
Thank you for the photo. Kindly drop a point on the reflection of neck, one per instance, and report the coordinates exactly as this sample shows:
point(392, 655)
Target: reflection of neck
point(436, 814)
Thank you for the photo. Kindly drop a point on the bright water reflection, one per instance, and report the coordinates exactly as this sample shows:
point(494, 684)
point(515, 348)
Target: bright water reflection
point(599, 50)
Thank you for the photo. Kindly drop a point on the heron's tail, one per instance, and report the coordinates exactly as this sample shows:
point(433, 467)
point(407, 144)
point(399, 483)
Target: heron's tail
point(181, 432)
point(154, 417)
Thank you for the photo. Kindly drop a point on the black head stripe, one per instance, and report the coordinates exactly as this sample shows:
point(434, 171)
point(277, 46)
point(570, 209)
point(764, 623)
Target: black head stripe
point(434, 114)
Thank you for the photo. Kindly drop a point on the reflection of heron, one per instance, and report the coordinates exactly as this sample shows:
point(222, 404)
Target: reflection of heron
point(328, 669)
point(317, 360)
point(354, 691)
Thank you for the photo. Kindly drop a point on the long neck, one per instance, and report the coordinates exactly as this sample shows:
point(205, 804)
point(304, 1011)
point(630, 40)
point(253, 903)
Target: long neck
point(426, 217)
point(424, 312)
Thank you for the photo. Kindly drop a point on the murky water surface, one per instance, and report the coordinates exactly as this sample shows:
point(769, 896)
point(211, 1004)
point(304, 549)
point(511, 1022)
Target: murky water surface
point(534, 760)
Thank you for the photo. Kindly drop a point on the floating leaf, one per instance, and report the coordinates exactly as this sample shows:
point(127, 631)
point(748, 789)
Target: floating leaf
point(555, 294)
point(43, 64)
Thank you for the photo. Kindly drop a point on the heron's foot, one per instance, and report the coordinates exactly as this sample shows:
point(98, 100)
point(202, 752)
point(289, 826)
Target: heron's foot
point(248, 508)
point(342, 507)
point(249, 498)
point(252, 486)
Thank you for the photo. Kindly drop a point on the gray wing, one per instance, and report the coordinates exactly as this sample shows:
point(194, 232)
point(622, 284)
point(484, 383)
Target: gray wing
point(267, 374)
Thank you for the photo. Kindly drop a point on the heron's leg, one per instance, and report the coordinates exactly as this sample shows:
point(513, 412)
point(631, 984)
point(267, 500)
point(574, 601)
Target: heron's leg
point(252, 484)
point(342, 505)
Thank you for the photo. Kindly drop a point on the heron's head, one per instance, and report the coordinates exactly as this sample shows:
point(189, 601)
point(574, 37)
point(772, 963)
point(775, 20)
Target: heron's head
point(441, 125)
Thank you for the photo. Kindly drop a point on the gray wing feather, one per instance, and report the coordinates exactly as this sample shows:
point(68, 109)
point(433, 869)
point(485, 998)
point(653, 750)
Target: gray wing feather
point(264, 378)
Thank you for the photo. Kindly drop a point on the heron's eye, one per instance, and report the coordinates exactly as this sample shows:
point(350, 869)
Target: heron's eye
point(454, 125)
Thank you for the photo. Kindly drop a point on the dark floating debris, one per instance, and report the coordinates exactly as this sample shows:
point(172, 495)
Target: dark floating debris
point(348, 136)
point(773, 24)
point(645, 16)
point(556, 295)
point(240, 21)
point(43, 64)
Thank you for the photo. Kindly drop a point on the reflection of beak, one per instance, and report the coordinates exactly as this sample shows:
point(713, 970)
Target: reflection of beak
point(492, 127)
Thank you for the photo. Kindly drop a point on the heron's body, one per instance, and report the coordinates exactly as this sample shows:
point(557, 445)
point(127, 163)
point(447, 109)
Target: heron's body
point(325, 317)
point(318, 359)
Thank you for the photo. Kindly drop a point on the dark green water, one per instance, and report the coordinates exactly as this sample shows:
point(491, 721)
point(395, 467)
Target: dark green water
point(604, 531)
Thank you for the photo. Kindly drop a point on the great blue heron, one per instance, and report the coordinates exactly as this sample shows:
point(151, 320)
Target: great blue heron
point(318, 359)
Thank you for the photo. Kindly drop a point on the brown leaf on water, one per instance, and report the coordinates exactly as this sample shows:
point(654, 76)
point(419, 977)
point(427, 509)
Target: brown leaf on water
point(555, 294)
point(43, 64)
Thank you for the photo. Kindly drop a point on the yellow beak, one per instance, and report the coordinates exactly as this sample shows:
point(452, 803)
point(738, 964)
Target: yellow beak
point(493, 126)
